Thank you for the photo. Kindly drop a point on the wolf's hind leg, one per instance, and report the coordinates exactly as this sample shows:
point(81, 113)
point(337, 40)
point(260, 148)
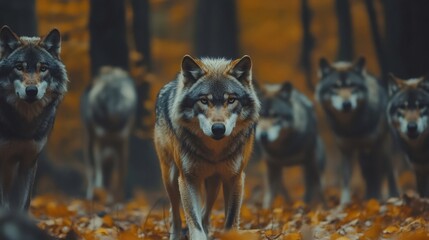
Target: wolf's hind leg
point(212, 185)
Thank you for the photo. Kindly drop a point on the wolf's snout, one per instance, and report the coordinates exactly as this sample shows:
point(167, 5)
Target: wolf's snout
point(412, 130)
point(31, 91)
point(347, 106)
point(218, 130)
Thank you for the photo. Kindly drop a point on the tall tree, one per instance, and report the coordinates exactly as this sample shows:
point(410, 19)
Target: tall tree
point(216, 30)
point(393, 29)
point(307, 43)
point(20, 16)
point(141, 30)
point(376, 36)
point(345, 34)
point(108, 45)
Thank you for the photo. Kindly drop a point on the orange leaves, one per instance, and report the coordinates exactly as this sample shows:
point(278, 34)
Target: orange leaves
point(406, 218)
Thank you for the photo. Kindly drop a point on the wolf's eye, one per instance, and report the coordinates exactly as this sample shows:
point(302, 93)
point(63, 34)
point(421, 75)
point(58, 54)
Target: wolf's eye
point(204, 101)
point(43, 68)
point(19, 67)
point(231, 100)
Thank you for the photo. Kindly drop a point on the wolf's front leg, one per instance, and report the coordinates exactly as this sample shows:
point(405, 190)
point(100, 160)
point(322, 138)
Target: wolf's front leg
point(275, 185)
point(21, 190)
point(233, 194)
point(422, 180)
point(212, 185)
point(345, 172)
point(190, 193)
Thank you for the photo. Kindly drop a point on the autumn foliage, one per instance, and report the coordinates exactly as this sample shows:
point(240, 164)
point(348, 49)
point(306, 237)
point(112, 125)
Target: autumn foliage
point(271, 34)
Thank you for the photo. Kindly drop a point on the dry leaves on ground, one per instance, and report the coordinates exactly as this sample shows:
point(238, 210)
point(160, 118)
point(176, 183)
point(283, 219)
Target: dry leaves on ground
point(398, 218)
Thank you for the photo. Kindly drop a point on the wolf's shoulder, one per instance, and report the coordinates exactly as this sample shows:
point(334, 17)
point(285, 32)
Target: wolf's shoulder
point(165, 97)
point(301, 98)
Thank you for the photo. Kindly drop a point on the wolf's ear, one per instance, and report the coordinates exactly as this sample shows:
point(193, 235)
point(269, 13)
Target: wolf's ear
point(286, 90)
point(191, 70)
point(359, 65)
point(52, 43)
point(324, 67)
point(241, 69)
point(393, 84)
point(9, 41)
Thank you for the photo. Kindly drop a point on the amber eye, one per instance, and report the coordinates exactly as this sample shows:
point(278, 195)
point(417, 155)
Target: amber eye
point(19, 67)
point(231, 100)
point(204, 101)
point(43, 68)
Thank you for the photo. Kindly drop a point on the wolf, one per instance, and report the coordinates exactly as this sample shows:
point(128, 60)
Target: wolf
point(287, 132)
point(108, 108)
point(204, 132)
point(407, 113)
point(354, 104)
point(33, 81)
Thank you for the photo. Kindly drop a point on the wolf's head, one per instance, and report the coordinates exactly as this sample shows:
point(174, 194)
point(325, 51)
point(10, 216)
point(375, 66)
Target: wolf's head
point(408, 106)
point(342, 87)
point(216, 96)
point(277, 114)
point(31, 71)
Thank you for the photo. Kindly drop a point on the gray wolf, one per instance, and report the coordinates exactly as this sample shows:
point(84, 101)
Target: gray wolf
point(33, 81)
point(108, 108)
point(354, 104)
point(204, 132)
point(287, 132)
point(407, 113)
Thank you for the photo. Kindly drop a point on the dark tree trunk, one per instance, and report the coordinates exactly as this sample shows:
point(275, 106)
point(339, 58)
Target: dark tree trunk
point(307, 43)
point(216, 33)
point(108, 45)
point(345, 33)
point(20, 16)
point(141, 29)
point(407, 37)
point(393, 30)
point(378, 45)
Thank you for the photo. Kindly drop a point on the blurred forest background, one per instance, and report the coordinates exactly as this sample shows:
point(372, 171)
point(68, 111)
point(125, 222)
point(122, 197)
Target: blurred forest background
point(149, 37)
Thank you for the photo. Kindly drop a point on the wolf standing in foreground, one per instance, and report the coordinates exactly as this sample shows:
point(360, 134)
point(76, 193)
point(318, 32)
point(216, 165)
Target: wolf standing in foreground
point(354, 104)
point(287, 131)
point(204, 132)
point(33, 81)
point(407, 113)
point(108, 107)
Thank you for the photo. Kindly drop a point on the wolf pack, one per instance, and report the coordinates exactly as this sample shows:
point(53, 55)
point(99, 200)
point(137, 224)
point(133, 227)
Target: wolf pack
point(208, 120)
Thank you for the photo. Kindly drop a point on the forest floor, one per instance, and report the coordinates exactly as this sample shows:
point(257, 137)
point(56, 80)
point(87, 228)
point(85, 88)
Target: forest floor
point(396, 218)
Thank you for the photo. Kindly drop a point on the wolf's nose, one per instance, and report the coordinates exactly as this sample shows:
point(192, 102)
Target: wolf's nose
point(31, 91)
point(347, 106)
point(218, 130)
point(412, 127)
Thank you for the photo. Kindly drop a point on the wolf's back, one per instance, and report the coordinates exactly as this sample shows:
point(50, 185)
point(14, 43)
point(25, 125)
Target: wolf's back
point(164, 102)
point(112, 102)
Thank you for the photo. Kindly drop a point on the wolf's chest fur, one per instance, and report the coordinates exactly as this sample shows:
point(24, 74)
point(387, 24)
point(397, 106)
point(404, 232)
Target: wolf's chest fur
point(23, 151)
